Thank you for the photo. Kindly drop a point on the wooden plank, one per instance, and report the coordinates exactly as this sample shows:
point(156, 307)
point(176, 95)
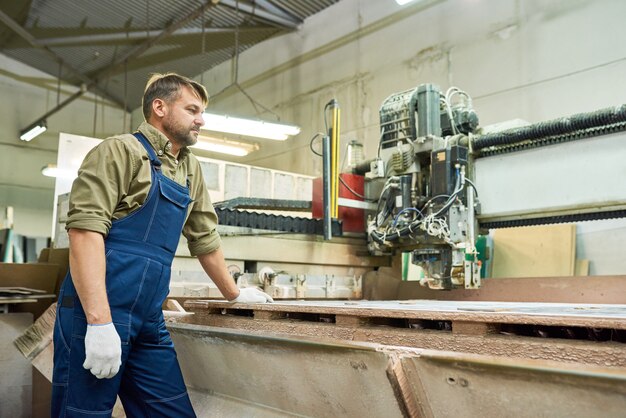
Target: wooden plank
point(567, 289)
point(407, 400)
point(547, 250)
point(351, 321)
point(549, 314)
point(474, 328)
point(17, 299)
point(269, 316)
point(16, 290)
point(581, 268)
point(604, 354)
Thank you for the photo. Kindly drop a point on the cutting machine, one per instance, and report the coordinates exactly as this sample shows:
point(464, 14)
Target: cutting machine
point(427, 176)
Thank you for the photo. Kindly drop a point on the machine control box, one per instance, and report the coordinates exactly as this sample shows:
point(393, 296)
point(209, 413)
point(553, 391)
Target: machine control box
point(444, 174)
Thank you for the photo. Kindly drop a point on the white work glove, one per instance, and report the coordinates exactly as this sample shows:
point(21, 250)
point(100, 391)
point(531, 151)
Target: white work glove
point(252, 295)
point(103, 350)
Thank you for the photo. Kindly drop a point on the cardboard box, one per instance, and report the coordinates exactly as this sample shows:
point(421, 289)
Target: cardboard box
point(33, 276)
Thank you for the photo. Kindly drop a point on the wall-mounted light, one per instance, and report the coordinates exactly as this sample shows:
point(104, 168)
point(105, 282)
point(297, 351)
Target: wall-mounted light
point(224, 146)
point(249, 127)
point(51, 170)
point(33, 130)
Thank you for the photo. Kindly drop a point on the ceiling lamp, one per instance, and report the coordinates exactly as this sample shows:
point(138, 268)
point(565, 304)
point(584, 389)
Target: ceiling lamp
point(403, 2)
point(33, 130)
point(51, 170)
point(242, 126)
point(248, 127)
point(224, 146)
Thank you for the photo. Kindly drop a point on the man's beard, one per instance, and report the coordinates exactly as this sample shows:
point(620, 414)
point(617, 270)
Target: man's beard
point(182, 135)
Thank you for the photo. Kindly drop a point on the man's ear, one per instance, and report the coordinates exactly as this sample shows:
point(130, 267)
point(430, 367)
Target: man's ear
point(159, 108)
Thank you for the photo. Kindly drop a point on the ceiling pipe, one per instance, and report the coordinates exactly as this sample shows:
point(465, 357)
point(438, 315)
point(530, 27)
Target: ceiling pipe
point(283, 21)
point(137, 35)
point(132, 53)
point(140, 49)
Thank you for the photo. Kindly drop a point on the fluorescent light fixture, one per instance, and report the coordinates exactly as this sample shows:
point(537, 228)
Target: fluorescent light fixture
point(51, 170)
point(224, 146)
point(403, 2)
point(33, 130)
point(248, 127)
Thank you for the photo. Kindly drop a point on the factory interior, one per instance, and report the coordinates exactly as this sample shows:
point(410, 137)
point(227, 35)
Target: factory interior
point(430, 191)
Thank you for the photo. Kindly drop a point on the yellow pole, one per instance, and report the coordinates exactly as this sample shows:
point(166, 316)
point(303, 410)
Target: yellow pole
point(337, 168)
point(334, 175)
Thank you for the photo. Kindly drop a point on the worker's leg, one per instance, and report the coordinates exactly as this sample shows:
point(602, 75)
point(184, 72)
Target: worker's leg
point(75, 391)
point(152, 384)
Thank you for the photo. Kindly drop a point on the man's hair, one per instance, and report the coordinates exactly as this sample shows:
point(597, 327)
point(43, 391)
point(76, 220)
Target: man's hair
point(168, 87)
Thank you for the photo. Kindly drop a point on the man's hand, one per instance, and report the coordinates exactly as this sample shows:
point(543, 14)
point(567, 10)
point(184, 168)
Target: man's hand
point(103, 350)
point(252, 295)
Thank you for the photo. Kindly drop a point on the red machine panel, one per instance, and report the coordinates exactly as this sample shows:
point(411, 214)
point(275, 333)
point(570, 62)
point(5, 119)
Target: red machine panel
point(353, 219)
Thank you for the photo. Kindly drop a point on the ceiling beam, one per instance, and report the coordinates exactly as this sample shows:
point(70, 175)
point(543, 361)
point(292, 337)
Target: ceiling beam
point(129, 55)
point(265, 4)
point(23, 33)
point(181, 52)
point(150, 42)
point(282, 20)
point(117, 37)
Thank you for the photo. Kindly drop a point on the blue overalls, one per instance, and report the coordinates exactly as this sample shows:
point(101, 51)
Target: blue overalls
point(139, 252)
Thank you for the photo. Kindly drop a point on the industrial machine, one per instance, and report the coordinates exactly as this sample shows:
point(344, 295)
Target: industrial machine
point(425, 180)
point(421, 181)
point(439, 182)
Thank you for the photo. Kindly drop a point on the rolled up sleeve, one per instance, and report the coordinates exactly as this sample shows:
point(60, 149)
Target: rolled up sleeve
point(205, 244)
point(102, 178)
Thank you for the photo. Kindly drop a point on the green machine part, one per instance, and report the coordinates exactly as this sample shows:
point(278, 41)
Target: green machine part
point(483, 253)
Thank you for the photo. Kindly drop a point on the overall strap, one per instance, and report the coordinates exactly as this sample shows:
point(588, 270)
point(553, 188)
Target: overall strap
point(156, 163)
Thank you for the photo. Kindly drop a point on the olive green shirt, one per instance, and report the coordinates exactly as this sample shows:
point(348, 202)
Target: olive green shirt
point(114, 180)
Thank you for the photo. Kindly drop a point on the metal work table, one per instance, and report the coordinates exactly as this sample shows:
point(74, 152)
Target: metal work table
point(577, 333)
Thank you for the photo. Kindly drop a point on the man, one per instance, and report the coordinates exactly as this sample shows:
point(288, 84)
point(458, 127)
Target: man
point(133, 196)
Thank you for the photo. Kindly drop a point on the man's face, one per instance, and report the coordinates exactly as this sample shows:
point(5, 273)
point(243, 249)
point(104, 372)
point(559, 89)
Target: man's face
point(183, 118)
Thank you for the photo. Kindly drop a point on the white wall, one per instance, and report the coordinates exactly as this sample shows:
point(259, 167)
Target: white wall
point(25, 95)
point(519, 59)
point(528, 59)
